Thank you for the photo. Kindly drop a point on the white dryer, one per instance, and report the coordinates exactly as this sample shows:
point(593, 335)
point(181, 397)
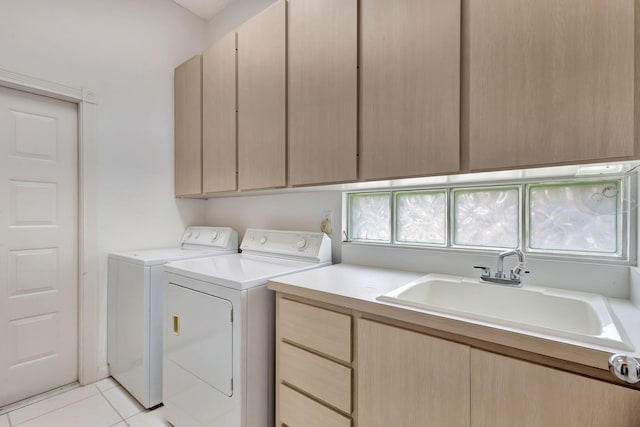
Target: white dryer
point(135, 307)
point(219, 330)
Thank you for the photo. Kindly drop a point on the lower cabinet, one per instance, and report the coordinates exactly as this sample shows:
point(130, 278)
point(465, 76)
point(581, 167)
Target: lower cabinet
point(507, 392)
point(314, 374)
point(296, 409)
point(397, 377)
point(410, 379)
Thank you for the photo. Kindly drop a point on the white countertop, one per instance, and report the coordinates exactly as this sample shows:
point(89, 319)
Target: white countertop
point(357, 287)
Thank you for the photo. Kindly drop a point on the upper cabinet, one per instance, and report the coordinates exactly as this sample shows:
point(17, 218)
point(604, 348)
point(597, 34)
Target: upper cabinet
point(323, 105)
point(188, 127)
point(410, 87)
point(313, 92)
point(549, 81)
point(219, 116)
point(262, 139)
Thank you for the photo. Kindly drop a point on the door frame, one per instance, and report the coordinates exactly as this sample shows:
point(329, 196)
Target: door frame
point(88, 278)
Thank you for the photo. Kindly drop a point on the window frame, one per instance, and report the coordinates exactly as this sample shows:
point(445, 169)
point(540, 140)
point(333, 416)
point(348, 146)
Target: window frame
point(622, 221)
point(452, 229)
point(394, 224)
point(627, 219)
point(350, 196)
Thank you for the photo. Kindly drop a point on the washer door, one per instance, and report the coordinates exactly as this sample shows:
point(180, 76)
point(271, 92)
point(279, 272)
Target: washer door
point(199, 336)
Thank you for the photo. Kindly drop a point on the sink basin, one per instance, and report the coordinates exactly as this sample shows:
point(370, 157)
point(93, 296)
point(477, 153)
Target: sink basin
point(579, 316)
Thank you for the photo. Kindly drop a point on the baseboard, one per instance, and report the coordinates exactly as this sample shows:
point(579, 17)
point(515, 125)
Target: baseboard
point(103, 372)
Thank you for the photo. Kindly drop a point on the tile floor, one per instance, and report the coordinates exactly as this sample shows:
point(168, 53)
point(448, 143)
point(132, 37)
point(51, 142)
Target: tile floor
point(102, 404)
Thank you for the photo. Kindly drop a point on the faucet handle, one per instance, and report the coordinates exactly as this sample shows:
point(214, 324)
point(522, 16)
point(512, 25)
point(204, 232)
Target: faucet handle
point(486, 271)
point(519, 270)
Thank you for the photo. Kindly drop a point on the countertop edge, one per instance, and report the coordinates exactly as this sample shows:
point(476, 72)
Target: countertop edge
point(574, 358)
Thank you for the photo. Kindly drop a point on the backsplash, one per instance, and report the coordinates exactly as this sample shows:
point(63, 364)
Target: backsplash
point(607, 279)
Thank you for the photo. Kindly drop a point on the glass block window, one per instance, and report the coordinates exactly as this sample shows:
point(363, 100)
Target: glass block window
point(575, 216)
point(582, 217)
point(370, 217)
point(421, 217)
point(486, 216)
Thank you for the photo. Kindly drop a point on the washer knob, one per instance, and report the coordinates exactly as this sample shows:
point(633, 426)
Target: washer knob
point(263, 240)
point(214, 236)
point(302, 243)
point(189, 234)
point(197, 235)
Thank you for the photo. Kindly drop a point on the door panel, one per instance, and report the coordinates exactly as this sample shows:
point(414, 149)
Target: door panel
point(199, 338)
point(406, 378)
point(322, 91)
point(549, 81)
point(38, 244)
point(410, 88)
point(508, 392)
point(188, 127)
point(219, 159)
point(262, 104)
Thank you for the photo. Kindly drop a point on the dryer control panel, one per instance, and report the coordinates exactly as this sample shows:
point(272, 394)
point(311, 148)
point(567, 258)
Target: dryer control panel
point(294, 244)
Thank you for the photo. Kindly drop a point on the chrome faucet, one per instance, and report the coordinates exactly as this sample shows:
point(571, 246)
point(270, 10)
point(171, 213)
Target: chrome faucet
point(515, 274)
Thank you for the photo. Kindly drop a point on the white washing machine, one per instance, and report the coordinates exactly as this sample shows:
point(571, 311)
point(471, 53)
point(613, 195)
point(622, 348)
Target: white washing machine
point(219, 330)
point(135, 307)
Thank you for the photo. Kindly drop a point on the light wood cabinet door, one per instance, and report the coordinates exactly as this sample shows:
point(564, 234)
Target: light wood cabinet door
point(407, 379)
point(322, 77)
point(506, 392)
point(298, 410)
point(410, 88)
point(262, 144)
point(550, 81)
point(324, 379)
point(188, 127)
point(324, 331)
point(219, 116)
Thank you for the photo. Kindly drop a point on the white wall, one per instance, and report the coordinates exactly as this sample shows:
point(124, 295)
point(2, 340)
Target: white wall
point(125, 51)
point(236, 12)
point(291, 211)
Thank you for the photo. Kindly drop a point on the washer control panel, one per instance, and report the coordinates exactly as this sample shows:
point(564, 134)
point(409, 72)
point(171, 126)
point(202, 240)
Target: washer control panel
point(213, 237)
point(288, 243)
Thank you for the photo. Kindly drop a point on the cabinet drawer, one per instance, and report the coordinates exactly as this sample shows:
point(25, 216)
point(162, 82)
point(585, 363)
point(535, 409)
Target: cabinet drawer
point(326, 380)
point(322, 330)
point(297, 410)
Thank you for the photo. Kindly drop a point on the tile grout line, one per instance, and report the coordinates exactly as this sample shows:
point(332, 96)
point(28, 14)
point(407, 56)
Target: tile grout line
point(122, 419)
point(53, 410)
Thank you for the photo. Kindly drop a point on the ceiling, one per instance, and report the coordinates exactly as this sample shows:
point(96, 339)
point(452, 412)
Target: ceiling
point(205, 9)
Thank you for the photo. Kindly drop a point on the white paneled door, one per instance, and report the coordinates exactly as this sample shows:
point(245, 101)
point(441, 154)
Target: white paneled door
point(38, 244)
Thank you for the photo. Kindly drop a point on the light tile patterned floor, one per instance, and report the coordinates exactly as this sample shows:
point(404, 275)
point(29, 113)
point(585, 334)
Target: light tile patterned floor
point(103, 404)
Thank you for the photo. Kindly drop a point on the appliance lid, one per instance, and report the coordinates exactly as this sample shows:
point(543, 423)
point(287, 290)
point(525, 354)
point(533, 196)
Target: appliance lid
point(196, 242)
point(238, 271)
point(149, 257)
